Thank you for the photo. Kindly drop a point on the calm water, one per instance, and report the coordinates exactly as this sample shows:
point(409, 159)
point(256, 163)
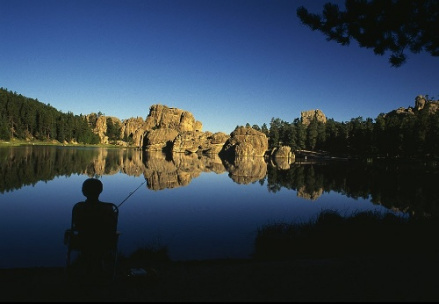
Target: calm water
point(199, 207)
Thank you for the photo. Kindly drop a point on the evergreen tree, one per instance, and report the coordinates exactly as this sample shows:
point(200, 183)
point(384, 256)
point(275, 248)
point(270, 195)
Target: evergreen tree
point(300, 134)
point(385, 26)
point(311, 134)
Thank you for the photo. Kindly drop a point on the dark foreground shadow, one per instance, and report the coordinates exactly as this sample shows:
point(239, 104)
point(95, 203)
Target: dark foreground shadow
point(386, 273)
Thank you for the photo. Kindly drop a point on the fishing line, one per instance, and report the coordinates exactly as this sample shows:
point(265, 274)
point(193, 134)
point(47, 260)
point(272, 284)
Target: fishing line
point(131, 193)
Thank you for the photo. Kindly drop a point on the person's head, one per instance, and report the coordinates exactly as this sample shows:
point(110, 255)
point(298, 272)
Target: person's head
point(91, 188)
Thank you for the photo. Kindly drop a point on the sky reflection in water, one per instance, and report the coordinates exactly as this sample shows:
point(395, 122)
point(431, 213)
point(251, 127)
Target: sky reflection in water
point(212, 217)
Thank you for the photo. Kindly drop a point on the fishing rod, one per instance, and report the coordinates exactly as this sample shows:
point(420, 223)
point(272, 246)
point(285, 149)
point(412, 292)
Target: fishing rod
point(131, 193)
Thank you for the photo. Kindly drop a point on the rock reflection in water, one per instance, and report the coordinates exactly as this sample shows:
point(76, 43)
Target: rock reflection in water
point(163, 173)
point(246, 170)
point(386, 183)
point(160, 170)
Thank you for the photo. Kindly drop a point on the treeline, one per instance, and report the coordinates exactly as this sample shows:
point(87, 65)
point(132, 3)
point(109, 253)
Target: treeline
point(389, 135)
point(408, 135)
point(27, 118)
point(383, 182)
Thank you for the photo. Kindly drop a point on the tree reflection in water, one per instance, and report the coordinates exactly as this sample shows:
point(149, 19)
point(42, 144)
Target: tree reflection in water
point(408, 187)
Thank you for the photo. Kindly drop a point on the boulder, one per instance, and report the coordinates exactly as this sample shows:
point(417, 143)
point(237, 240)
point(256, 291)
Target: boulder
point(283, 152)
point(245, 142)
point(283, 157)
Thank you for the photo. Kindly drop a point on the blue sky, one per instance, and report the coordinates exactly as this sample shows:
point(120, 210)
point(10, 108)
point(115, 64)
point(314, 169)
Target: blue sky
point(227, 62)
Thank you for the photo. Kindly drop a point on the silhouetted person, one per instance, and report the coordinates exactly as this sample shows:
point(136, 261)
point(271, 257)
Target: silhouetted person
point(96, 226)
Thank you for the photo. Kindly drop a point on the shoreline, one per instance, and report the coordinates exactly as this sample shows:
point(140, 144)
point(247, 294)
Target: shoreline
point(354, 278)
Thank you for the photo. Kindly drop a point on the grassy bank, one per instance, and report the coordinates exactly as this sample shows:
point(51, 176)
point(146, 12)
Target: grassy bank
point(19, 142)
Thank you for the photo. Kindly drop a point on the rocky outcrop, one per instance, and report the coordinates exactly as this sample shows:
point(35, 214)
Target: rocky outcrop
point(283, 152)
point(188, 141)
point(133, 130)
point(245, 142)
point(431, 107)
point(421, 104)
point(214, 142)
point(204, 142)
point(308, 116)
point(160, 139)
point(99, 125)
point(161, 116)
point(283, 157)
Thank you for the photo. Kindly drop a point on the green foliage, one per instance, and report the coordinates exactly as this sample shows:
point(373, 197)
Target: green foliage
point(392, 135)
point(385, 26)
point(26, 118)
point(256, 127)
point(113, 130)
point(264, 129)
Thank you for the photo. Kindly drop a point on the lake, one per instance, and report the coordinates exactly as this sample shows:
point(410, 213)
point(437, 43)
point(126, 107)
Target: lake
point(200, 207)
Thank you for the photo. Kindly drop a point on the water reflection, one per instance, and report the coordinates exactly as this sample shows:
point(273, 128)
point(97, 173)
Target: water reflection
point(398, 186)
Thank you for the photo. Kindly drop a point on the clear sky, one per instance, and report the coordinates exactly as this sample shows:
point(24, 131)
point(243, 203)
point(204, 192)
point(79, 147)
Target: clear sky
point(227, 62)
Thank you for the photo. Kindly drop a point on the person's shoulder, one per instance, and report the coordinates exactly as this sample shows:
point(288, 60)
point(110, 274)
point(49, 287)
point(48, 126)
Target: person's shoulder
point(109, 205)
point(78, 204)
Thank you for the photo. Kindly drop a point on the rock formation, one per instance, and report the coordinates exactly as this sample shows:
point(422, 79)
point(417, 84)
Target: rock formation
point(99, 125)
point(421, 104)
point(283, 157)
point(308, 116)
point(159, 139)
point(245, 142)
point(204, 142)
point(133, 130)
point(161, 116)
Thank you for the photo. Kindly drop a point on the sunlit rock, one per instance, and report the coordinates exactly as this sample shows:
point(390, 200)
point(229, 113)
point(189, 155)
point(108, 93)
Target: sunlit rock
point(245, 142)
point(161, 116)
point(159, 139)
point(308, 116)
